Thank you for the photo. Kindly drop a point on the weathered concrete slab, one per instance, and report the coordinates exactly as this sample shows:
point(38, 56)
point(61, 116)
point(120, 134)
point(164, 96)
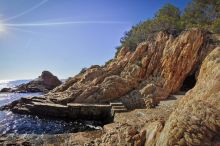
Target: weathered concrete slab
point(70, 111)
point(89, 111)
point(88, 105)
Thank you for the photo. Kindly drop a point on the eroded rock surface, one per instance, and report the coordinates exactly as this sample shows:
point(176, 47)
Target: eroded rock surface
point(146, 76)
point(196, 121)
point(139, 79)
point(163, 63)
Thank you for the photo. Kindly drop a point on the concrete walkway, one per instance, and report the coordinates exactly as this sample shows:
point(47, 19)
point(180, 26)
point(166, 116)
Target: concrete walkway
point(172, 99)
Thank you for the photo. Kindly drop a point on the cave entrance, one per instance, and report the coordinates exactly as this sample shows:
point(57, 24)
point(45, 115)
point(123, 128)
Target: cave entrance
point(188, 83)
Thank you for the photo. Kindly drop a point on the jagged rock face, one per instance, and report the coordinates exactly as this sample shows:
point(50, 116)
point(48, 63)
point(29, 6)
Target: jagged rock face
point(164, 62)
point(47, 81)
point(196, 121)
point(155, 70)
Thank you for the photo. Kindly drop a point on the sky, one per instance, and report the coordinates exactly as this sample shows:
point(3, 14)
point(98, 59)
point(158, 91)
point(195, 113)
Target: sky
point(64, 36)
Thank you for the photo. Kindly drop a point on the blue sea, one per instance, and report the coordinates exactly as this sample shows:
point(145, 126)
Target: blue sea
point(11, 123)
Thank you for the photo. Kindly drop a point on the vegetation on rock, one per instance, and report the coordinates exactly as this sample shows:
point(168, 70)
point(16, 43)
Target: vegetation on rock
point(204, 14)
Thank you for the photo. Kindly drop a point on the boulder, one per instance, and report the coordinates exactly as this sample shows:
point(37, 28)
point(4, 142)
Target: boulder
point(148, 89)
point(153, 95)
point(6, 90)
point(47, 81)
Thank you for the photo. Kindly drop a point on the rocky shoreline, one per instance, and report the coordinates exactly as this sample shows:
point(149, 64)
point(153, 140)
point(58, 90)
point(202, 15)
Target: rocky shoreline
point(139, 79)
point(127, 127)
point(43, 108)
point(143, 81)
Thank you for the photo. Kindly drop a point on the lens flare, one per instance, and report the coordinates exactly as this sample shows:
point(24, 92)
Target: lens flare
point(2, 27)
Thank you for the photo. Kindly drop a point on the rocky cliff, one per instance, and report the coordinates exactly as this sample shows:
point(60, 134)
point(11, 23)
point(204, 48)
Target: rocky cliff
point(196, 120)
point(158, 68)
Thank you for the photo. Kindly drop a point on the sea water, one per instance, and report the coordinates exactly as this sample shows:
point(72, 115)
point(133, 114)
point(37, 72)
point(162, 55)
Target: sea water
point(11, 123)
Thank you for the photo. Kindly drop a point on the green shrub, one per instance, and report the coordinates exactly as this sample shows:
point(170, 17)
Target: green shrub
point(203, 14)
point(108, 62)
point(136, 35)
point(117, 50)
point(167, 19)
point(216, 26)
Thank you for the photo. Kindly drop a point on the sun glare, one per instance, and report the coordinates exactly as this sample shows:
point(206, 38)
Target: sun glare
point(2, 27)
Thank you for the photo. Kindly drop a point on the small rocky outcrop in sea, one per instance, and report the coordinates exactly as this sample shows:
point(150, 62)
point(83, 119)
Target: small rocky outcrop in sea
point(6, 90)
point(45, 82)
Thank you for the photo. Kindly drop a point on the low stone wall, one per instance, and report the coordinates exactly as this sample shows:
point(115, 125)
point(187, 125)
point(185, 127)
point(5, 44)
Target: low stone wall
point(89, 111)
point(70, 111)
point(48, 109)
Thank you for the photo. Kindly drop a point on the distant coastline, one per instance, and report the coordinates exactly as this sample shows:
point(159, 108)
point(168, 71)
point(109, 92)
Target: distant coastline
point(12, 83)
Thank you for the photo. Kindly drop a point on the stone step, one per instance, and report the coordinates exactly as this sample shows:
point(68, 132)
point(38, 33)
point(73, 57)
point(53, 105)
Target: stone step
point(37, 100)
point(29, 105)
point(49, 105)
point(119, 110)
point(116, 104)
point(119, 107)
point(22, 110)
point(53, 100)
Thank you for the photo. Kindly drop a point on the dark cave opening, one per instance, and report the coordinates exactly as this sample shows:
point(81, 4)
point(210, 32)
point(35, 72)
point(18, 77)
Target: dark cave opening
point(188, 83)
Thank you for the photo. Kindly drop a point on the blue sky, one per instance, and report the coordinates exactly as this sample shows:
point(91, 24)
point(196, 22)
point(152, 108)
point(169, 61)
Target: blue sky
point(75, 34)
